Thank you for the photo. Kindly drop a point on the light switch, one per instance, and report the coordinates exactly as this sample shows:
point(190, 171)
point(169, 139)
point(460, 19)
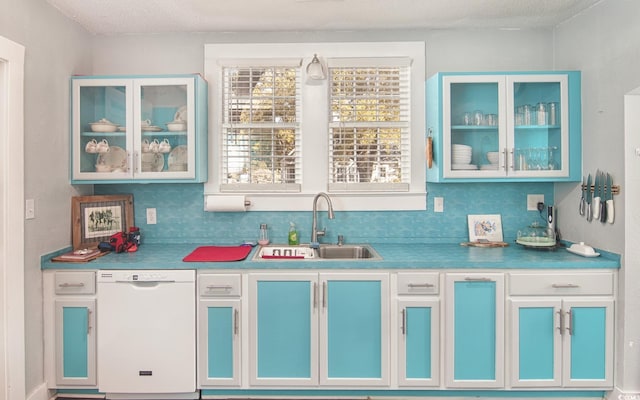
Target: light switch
point(151, 216)
point(29, 209)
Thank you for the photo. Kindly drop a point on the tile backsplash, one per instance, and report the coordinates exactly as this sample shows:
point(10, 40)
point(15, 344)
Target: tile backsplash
point(181, 217)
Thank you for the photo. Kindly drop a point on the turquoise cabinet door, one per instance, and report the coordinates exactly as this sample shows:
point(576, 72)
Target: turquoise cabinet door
point(419, 344)
point(283, 332)
point(588, 343)
point(75, 342)
point(354, 338)
point(219, 342)
point(536, 343)
point(475, 323)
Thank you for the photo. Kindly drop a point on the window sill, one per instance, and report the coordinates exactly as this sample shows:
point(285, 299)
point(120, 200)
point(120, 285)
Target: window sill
point(382, 201)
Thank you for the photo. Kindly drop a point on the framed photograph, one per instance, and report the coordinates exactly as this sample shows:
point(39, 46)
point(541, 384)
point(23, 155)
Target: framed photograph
point(96, 218)
point(485, 228)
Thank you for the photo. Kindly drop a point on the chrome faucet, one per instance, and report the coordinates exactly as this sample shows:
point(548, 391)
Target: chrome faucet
point(314, 225)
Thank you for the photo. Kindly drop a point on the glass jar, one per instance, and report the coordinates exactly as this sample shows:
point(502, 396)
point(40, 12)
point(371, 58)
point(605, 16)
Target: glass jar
point(263, 239)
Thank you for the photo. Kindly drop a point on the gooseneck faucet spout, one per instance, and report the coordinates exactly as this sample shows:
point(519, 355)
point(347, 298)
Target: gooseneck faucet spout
point(314, 225)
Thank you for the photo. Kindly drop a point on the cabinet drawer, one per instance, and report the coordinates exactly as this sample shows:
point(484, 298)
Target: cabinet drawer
point(223, 285)
point(565, 284)
point(75, 282)
point(418, 283)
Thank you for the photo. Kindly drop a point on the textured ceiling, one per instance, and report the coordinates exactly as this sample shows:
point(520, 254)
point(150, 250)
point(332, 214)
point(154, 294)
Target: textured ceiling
point(111, 17)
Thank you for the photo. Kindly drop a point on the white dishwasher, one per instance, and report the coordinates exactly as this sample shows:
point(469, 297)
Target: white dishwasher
point(146, 325)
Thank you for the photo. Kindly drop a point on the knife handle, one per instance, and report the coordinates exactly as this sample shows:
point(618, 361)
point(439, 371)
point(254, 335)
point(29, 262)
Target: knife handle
point(596, 208)
point(603, 211)
point(610, 212)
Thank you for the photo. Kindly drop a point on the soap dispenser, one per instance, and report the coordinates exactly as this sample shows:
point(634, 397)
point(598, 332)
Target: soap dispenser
point(293, 234)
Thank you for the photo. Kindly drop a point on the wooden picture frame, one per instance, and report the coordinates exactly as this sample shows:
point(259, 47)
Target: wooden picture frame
point(96, 218)
point(485, 228)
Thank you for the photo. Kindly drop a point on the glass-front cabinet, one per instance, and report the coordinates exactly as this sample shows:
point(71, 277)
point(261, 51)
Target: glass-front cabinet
point(137, 129)
point(505, 126)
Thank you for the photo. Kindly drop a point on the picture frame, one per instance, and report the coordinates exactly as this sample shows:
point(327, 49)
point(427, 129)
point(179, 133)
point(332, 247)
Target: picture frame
point(96, 218)
point(486, 227)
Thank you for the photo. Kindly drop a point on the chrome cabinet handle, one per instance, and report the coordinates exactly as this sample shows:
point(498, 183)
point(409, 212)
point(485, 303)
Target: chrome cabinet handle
point(219, 287)
point(315, 295)
point(70, 285)
point(513, 161)
point(570, 326)
point(403, 324)
point(560, 322)
point(481, 279)
point(564, 286)
point(420, 285)
point(236, 314)
point(324, 294)
point(88, 321)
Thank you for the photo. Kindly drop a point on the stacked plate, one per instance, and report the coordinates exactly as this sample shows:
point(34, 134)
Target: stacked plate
point(461, 157)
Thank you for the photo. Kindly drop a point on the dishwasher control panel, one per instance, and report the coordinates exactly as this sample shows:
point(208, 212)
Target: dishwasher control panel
point(146, 276)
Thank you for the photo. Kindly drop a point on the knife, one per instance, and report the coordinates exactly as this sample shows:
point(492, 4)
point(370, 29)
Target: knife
point(589, 214)
point(595, 211)
point(610, 212)
point(583, 193)
point(603, 195)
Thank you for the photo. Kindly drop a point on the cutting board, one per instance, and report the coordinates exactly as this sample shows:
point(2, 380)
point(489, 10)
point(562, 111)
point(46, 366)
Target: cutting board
point(218, 254)
point(484, 244)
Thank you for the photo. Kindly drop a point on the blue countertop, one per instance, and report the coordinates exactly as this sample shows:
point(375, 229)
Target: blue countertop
point(394, 256)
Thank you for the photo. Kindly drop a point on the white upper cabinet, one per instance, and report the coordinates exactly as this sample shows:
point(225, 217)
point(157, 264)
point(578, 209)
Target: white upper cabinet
point(496, 127)
point(139, 129)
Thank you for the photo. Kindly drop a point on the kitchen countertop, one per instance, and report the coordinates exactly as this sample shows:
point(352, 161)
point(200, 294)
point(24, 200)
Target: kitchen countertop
point(394, 256)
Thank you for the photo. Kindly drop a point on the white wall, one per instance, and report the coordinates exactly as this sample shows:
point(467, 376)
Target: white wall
point(604, 43)
point(55, 48)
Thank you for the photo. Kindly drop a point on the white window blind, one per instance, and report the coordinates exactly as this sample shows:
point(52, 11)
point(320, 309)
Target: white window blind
point(261, 145)
point(369, 124)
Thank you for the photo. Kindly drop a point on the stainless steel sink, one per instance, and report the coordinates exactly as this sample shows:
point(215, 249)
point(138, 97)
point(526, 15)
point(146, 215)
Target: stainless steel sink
point(348, 251)
point(325, 252)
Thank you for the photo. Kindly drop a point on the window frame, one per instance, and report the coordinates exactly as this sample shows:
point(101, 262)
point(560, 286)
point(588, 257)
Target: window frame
point(315, 125)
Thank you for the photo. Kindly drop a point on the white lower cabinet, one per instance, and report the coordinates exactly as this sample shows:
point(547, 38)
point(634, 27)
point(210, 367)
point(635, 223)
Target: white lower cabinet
point(474, 326)
point(70, 329)
point(562, 330)
point(219, 341)
point(418, 326)
point(318, 329)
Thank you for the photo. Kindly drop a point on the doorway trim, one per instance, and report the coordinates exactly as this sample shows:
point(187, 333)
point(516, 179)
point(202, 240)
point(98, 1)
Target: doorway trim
point(12, 315)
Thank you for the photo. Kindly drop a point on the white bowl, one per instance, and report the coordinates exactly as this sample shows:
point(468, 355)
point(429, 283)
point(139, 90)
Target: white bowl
point(177, 126)
point(102, 127)
point(492, 156)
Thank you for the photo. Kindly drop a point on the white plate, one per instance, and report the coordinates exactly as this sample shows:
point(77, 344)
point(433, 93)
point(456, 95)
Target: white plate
point(151, 128)
point(181, 114)
point(570, 250)
point(152, 162)
point(178, 158)
point(536, 242)
point(464, 166)
point(115, 158)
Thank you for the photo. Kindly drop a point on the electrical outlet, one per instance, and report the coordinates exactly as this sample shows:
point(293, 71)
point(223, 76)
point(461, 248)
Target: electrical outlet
point(533, 200)
point(438, 204)
point(29, 209)
point(151, 216)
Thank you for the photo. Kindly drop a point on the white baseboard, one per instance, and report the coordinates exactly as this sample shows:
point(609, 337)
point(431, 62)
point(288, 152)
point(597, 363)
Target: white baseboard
point(39, 393)
point(617, 394)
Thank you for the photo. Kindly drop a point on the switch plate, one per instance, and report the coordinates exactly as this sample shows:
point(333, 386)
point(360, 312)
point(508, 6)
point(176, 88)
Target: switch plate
point(438, 204)
point(151, 216)
point(29, 209)
point(533, 200)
